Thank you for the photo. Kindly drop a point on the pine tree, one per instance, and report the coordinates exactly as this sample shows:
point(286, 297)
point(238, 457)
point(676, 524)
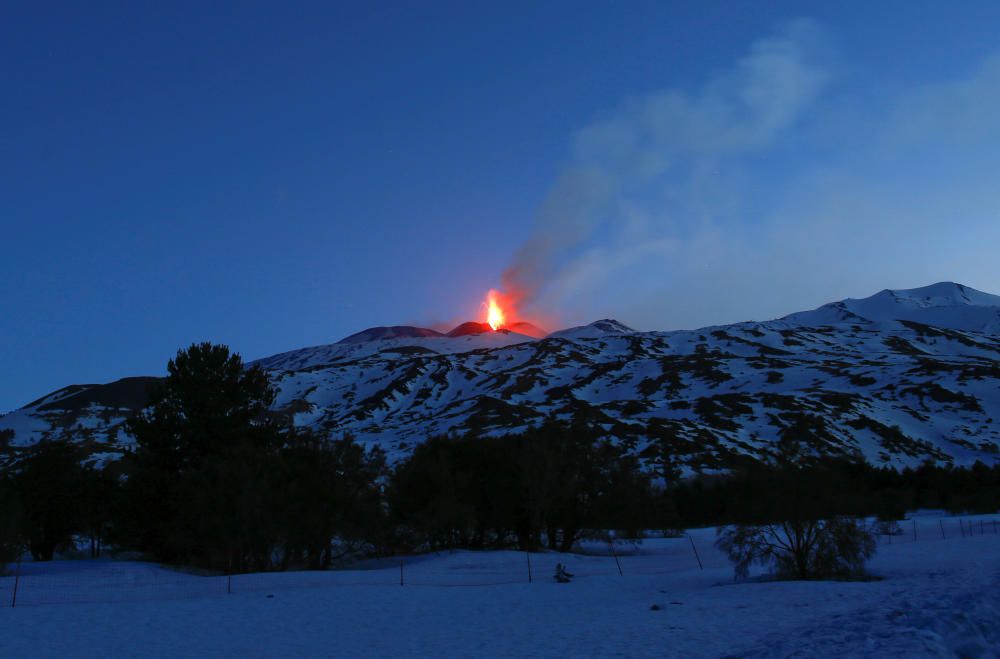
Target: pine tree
point(201, 473)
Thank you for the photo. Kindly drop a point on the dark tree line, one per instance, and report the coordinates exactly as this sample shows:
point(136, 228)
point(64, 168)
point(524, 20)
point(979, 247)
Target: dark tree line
point(550, 484)
point(544, 487)
point(50, 498)
point(762, 492)
point(218, 480)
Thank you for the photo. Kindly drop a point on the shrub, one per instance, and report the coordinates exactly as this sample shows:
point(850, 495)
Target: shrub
point(812, 549)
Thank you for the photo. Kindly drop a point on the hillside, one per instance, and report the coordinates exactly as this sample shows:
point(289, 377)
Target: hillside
point(898, 378)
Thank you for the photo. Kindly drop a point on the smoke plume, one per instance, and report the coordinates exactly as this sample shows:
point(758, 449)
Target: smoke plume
point(767, 189)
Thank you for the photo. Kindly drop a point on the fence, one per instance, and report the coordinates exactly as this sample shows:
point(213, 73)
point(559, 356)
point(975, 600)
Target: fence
point(80, 582)
point(922, 529)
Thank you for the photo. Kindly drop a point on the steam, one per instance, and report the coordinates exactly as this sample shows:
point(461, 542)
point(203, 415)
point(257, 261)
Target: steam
point(766, 190)
point(668, 137)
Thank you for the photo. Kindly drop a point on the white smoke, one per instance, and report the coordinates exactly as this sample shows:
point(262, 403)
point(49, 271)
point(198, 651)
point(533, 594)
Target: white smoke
point(767, 190)
point(661, 142)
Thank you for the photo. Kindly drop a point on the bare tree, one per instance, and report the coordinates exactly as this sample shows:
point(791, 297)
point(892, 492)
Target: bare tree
point(802, 549)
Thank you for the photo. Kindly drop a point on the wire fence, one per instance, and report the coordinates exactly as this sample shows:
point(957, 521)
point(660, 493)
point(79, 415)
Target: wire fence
point(101, 581)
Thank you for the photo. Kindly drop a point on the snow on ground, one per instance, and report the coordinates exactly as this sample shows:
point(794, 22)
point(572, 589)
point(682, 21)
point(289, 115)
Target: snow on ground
point(937, 597)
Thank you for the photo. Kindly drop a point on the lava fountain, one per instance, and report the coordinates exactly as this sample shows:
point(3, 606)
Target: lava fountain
point(495, 315)
point(501, 314)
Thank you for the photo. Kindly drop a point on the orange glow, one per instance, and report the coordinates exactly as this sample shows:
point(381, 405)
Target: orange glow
point(495, 315)
point(501, 311)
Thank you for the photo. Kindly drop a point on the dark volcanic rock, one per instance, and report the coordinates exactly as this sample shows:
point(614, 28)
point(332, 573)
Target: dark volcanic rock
point(469, 328)
point(392, 332)
point(127, 393)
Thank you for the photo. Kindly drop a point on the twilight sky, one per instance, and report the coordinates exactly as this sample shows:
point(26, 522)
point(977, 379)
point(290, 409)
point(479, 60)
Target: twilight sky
point(273, 176)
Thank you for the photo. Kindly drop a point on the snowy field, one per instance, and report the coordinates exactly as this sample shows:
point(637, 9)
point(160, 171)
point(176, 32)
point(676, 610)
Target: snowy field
point(937, 596)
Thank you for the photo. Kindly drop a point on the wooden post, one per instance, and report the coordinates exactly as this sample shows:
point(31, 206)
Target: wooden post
point(401, 572)
point(229, 584)
point(914, 530)
point(611, 545)
point(528, 554)
point(700, 566)
point(943, 536)
point(17, 579)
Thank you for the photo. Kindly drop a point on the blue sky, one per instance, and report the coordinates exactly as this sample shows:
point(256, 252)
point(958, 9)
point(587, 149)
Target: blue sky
point(272, 176)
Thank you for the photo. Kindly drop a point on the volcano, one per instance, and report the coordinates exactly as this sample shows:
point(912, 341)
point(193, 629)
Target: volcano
point(391, 332)
point(898, 378)
point(527, 329)
point(471, 327)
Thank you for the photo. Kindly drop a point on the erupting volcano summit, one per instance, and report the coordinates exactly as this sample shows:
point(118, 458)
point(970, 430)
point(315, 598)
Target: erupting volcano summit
point(901, 377)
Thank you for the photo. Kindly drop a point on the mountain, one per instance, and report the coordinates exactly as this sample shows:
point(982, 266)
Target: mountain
point(897, 378)
point(594, 330)
point(945, 304)
point(394, 332)
point(469, 328)
point(527, 329)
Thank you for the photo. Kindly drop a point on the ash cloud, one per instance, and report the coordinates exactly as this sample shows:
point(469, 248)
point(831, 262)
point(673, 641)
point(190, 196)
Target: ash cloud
point(766, 190)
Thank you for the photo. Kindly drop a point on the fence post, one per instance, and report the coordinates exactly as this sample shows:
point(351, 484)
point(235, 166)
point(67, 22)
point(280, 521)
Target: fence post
point(229, 584)
point(528, 554)
point(943, 536)
point(700, 566)
point(914, 530)
point(401, 572)
point(17, 579)
point(611, 545)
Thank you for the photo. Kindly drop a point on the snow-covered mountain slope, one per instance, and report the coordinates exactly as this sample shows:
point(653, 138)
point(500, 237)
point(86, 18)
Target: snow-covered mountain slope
point(898, 378)
point(594, 330)
point(90, 414)
point(945, 304)
point(464, 340)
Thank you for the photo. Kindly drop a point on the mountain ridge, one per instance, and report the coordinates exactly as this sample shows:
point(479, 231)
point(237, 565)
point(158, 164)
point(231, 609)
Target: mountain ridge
point(896, 378)
point(934, 305)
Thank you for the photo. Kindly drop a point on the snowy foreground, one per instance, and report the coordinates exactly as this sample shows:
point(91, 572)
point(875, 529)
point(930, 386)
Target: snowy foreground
point(937, 597)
